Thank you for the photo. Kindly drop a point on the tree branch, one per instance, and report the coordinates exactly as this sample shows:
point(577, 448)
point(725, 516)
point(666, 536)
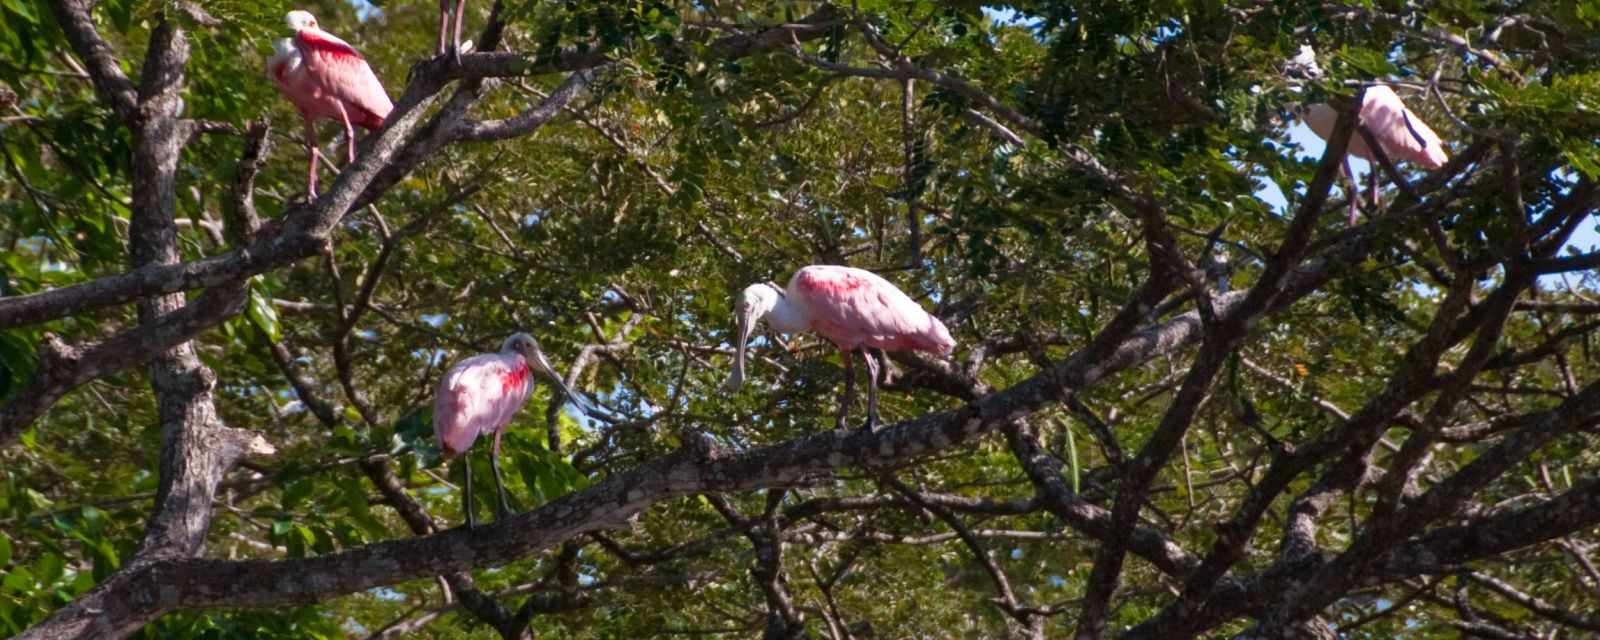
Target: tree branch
point(63, 368)
point(104, 71)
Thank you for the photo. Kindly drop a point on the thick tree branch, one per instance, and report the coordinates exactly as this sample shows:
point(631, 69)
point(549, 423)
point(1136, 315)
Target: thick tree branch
point(1445, 548)
point(127, 600)
point(105, 72)
point(239, 210)
point(63, 368)
point(534, 117)
point(1222, 337)
point(1532, 603)
point(388, 156)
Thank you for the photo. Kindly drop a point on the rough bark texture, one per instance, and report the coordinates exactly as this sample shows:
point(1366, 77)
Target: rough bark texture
point(1413, 531)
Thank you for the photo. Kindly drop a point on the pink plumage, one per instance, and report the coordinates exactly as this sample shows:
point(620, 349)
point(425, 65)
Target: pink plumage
point(340, 78)
point(479, 395)
point(856, 310)
point(854, 307)
point(1400, 132)
point(326, 79)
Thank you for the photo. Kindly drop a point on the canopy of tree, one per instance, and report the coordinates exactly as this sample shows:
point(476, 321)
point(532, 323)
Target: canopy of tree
point(1188, 400)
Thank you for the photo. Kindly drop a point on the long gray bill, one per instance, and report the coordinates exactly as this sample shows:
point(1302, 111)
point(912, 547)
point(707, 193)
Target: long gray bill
point(741, 339)
point(582, 403)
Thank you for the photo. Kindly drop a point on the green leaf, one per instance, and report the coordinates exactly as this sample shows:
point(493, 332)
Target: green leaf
point(20, 580)
point(93, 518)
point(323, 542)
point(528, 467)
point(1583, 156)
point(415, 431)
point(294, 494)
point(83, 581)
point(262, 315)
point(35, 500)
point(300, 540)
point(22, 10)
point(49, 568)
point(106, 559)
point(1369, 62)
point(355, 504)
point(1072, 458)
point(5, 551)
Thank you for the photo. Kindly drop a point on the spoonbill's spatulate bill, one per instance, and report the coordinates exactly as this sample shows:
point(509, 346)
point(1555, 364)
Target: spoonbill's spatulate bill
point(326, 79)
point(480, 395)
point(854, 309)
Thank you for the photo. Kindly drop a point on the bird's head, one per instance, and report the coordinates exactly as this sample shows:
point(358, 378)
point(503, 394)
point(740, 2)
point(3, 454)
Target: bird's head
point(299, 20)
point(524, 345)
point(1303, 66)
point(754, 303)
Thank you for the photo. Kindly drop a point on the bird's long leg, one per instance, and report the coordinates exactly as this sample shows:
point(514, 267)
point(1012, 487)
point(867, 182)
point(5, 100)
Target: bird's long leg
point(455, 47)
point(1372, 181)
point(311, 159)
point(444, 25)
point(1352, 190)
point(325, 160)
point(466, 500)
point(874, 367)
point(349, 135)
point(848, 396)
point(499, 483)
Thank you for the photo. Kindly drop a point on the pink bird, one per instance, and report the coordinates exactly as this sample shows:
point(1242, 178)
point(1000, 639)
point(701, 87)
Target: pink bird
point(854, 309)
point(480, 395)
point(1399, 132)
point(326, 79)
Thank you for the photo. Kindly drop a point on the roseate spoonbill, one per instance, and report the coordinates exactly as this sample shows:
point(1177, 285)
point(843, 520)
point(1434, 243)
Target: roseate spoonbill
point(453, 44)
point(854, 309)
point(1398, 131)
point(326, 79)
point(480, 395)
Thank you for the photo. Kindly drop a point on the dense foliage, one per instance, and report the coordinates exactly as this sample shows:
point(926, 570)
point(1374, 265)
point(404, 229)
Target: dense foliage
point(1171, 346)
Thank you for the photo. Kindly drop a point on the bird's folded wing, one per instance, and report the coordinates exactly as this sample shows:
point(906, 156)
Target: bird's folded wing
point(347, 76)
point(862, 304)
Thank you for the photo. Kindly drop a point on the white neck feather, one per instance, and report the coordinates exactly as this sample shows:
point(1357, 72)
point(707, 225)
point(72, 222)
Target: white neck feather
point(787, 317)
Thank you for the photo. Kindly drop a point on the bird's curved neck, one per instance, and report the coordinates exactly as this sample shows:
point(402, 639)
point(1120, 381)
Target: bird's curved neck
point(787, 317)
point(283, 62)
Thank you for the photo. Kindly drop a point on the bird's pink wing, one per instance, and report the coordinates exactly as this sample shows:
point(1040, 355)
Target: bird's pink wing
point(854, 307)
point(293, 82)
point(514, 383)
point(478, 395)
point(1403, 135)
point(344, 74)
point(1321, 118)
